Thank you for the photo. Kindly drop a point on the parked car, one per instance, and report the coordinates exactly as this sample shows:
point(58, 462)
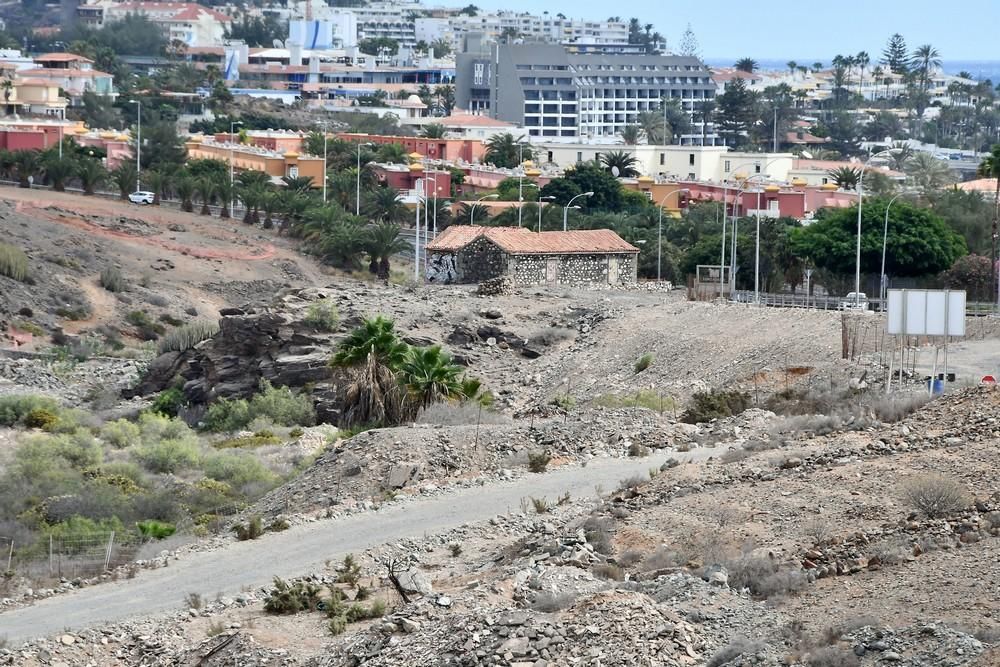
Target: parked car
point(855, 301)
point(141, 197)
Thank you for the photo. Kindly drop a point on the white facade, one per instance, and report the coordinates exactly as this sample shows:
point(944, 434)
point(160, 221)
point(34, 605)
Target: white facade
point(546, 27)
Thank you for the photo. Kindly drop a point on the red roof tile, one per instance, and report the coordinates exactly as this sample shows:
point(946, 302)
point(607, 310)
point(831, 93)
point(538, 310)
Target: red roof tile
point(523, 241)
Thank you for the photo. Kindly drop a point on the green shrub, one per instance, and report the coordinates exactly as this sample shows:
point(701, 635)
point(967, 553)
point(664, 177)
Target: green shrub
point(78, 533)
point(15, 407)
point(145, 327)
point(564, 402)
point(292, 599)
point(643, 362)
point(41, 418)
point(227, 415)
point(644, 398)
point(715, 404)
point(112, 279)
point(282, 406)
point(322, 315)
point(258, 439)
point(167, 318)
point(237, 469)
point(169, 402)
point(337, 624)
point(253, 529)
point(350, 572)
point(187, 336)
point(121, 434)
point(39, 453)
point(167, 456)
point(13, 262)
point(538, 461)
point(156, 427)
point(29, 327)
point(156, 530)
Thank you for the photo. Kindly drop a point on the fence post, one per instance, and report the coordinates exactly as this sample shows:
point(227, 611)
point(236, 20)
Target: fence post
point(107, 555)
point(10, 554)
point(50, 555)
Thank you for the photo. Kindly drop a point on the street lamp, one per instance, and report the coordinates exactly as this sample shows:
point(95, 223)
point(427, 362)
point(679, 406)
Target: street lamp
point(232, 179)
point(570, 204)
point(138, 142)
point(472, 211)
point(659, 229)
point(540, 199)
point(324, 162)
point(520, 181)
point(732, 273)
point(357, 192)
point(885, 239)
point(861, 194)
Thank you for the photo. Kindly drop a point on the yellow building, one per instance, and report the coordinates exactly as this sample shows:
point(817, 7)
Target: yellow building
point(253, 158)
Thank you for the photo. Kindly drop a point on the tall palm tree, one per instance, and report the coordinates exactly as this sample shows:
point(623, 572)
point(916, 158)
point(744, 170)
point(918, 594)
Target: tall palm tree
point(704, 112)
point(124, 177)
point(990, 168)
point(58, 169)
point(632, 134)
point(792, 67)
point(28, 165)
point(157, 181)
point(506, 151)
point(269, 204)
point(433, 131)
point(225, 192)
point(927, 173)
point(469, 213)
point(301, 184)
point(748, 65)
point(91, 174)
point(817, 67)
point(924, 59)
point(376, 335)
point(185, 187)
point(846, 178)
point(206, 188)
point(862, 60)
point(384, 205)
point(901, 154)
point(429, 376)
point(879, 75)
point(383, 241)
point(391, 153)
point(625, 163)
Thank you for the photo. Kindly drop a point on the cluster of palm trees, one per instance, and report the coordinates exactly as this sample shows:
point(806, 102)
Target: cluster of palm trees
point(29, 167)
point(390, 382)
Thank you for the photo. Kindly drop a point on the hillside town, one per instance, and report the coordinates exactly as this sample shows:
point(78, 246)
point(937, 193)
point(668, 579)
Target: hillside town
point(343, 333)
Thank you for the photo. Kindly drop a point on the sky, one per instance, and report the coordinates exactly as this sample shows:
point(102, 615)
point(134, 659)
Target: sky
point(959, 29)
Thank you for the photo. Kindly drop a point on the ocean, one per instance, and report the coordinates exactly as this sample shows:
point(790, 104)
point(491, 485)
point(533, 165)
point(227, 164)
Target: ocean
point(979, 69)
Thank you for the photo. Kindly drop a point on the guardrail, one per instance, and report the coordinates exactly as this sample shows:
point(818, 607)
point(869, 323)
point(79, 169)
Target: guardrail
point(812, 302)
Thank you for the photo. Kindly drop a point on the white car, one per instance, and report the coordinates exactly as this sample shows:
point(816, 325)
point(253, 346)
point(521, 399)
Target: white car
point(141, 197)
point(855, 301)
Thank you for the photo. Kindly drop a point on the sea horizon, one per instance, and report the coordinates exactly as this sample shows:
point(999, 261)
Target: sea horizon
point(979, 69)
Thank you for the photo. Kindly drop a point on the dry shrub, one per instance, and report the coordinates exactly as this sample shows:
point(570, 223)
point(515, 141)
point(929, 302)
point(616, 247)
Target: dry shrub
point(608, 571)
point(763, 577)
point(464, 413)
point(632, 482)
point(734, 455)
point(630, 557)
point(832, 656)
point(895, 408)
point(819, 530)
point(13, 262)
point(661, 559)
point(935, 495)
point(553, 336)
point(598, 532)
point(890, 551)
point(734, 649)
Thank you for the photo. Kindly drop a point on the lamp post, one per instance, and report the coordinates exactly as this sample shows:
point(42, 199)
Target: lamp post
point(540, 199)
point(325, 178)
point(232, 141)
point(725, 224)
point(520, 181)
point(472, 211)
point(569, 204)
point(736, 230)
point(416, 243)
point(357, 191)
point(138, 142)
point(861, 194)
point(885, 239)
point(659, 229)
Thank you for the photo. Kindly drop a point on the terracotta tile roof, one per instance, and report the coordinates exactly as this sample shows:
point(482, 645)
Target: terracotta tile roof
point(62, 57)
point(523, 241)
point(979, 185)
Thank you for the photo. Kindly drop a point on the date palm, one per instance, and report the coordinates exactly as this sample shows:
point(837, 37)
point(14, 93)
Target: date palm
point(748, 65)
point(225, 191)
point(124, 177)
point(433, 131)
point(632, 134)
point(252, 197)
point(269, 204)
point(383, 241)
point(91, 173)
point(157, 181)
point(506, 151)
point(384, 205)
point(205, 188)
point(58, 170)
point(185, 187)
point(846, 178)
point(301, 184)
point(624, 163)
point(924, 59)
point(27, 166)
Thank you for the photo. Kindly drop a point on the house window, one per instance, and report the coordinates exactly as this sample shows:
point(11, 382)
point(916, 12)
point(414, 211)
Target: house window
point(756, 168)
point(728, 167)
point(550, 156)
point(662, 158)
point(691, 159)
point(579, 156)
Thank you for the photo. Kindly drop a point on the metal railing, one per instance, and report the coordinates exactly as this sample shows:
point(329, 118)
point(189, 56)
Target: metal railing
point(814, 302)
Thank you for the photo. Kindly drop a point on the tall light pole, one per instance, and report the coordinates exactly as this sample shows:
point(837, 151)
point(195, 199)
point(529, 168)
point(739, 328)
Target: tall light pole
point(659, 229)
point(472, 211)
point(569, 204)
point(861, 194)
point(416, 244)
point(540, 199)
point(885, 239)
point(725, 224)
point(324, 162)
point(138, 142)
point(520, 181)
point(232, 179)
point(736, 230)
point(357, 191)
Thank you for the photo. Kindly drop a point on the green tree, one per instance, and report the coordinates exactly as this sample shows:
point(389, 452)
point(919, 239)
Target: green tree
point(206, 188)
point(382, 242)
point(919, 242)
point(924, 59)
point(846, 178)
point(91, 173)
point(990, 168)
point(561, 189)
point(162, 148)
point(896, 55)
point(375, 336)
point(624, 162)
point(185, 187)
point(736, 113)
point(632, 134)
point(973, 273)
point(927, 173)
point(225, 193)
point(433, 131)
point(378, 46)
point(590, 177)
point(506, 151)
point(28, 166)
point(477, 214)
point(157, 182)
point(58, 169)
point(99, 111)
point(429, 375)
point(384, 205)
point(748, 65)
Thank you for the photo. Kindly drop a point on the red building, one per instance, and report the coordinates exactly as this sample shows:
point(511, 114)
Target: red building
point(453, 150)
point(22, 140)
point(412, 180)
point(793, 201)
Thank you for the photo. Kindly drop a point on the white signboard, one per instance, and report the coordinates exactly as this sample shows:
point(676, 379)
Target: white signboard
point(919, 312)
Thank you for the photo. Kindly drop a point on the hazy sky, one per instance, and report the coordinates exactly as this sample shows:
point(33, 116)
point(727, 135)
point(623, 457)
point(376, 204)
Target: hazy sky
point(959, 29)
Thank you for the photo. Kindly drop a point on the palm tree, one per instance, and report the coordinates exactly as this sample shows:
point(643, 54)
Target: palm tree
point(269, 203)
point(846, 178)
point(433, 131)
point(157, 181)
point(185, 188)
point(342, 243)
point(391, 153)
point(253, 177)
point(375, 336)
point(879, 75)
point(91, 174)
point(990, 168)
point(621, 161)
point(704, 111)
point(205, 188)
point(124, 177)
point(465, 214)
point(927, 173)
point(58, 170)
point(506, 151)
point(429, 376)
point(862, 60)
point(373, 395)
point(901, 154)
point(817, 67)
point(28, 164)
point(225, 191)
point(383, 242)
point(632, 134)
point(792, 67)
point(748, 65)
point(384, 205)
point(252, 197)
point(301, 184)
point(923, 60)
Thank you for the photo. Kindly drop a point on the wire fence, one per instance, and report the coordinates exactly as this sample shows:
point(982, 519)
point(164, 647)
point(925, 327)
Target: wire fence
point(814, 302)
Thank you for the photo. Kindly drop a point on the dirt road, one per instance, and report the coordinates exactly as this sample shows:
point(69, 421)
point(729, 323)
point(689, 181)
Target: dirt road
point(303, 549)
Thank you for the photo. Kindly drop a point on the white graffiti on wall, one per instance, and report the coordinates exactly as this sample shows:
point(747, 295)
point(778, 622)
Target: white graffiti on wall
point(442, 268)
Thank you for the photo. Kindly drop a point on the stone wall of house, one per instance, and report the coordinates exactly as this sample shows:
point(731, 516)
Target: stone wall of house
point(574, 270)
point(442, 268)
point(628, 268)
point(529, 270)
point(481, 260)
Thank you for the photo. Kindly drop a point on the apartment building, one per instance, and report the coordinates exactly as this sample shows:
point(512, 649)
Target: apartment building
point(389, 20)
point(185, 22)
point(554, 91)
point(70, 72)
point(544, 28)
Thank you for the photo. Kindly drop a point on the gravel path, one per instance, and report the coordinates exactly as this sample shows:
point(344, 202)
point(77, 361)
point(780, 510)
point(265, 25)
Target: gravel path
point(303, 549)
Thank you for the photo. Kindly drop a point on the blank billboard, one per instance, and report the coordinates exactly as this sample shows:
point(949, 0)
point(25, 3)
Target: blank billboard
point(917, 312)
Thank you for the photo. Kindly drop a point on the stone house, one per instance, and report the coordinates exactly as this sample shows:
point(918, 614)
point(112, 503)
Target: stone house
point(584, 258)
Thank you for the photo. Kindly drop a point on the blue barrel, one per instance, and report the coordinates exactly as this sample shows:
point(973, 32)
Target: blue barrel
point(936, 386)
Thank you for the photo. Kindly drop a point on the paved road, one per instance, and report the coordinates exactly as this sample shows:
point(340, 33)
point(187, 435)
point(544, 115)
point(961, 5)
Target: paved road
point(304, 548)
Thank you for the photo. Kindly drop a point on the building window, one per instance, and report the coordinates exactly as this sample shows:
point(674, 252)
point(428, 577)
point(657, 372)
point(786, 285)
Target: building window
point(550, 156)
point(727, 167)
point(663, 158)
point(579, 156)
point(756, 168)
point(691, 159)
